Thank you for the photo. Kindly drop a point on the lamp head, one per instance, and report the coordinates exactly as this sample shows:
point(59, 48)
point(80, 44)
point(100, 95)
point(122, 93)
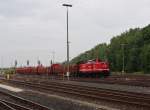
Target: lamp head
point(67, 5)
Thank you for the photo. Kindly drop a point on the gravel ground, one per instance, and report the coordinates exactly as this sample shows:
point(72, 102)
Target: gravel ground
point(54, 102)
point(57, 102)
point(137, 89)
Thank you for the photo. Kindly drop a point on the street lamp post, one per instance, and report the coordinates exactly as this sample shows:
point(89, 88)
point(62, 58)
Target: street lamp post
point(68, 73)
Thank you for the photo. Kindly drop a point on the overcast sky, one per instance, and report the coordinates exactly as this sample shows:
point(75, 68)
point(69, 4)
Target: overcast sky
point(33, 29)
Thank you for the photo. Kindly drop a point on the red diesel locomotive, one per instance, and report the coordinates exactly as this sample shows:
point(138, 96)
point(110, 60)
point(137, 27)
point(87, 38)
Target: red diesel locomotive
point(94, 68)
point(91, 68)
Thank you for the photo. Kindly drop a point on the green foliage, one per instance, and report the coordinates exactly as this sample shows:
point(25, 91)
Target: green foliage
point(99, 51)
point(145, 58)
point(136, 51)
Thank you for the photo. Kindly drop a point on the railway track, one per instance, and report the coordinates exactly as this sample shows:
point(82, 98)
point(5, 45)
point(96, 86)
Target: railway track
point(120, 80)
point(141, 83)
point(12, 102)
point(6, 105)
point(91, 93)
point(137, 77)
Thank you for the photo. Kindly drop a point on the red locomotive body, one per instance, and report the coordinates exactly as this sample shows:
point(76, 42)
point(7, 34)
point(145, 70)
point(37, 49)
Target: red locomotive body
point(94, 68)
point(86, 67)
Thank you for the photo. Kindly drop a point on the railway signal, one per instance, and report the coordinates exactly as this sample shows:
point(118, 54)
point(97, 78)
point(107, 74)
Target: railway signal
point(16, 63)
point(39, 63)
point(27, 62)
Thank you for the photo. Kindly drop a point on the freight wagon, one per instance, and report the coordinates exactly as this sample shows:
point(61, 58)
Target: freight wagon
point(91, 68)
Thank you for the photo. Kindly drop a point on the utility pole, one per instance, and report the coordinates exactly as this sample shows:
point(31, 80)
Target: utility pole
point(53, 55)
point(123, 58)
point(1, 64)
